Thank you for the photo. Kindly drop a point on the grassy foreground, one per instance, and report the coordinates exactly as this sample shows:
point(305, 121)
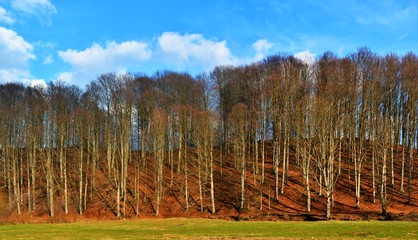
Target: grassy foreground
point(210, 229)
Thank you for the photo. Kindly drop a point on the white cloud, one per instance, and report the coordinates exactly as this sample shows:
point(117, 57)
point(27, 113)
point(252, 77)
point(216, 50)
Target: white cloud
point(180, 52)
point(194, 50)
point(15, 55)
point(65, 77)
point(48, 59)
point(45, 45)
point(13, 45)
point(5, 17)
point(36, 83)
point(261, 47)
point(89, 63)
point(306, 56)
point(13, 75)
point(42, 9)
point(386, 14)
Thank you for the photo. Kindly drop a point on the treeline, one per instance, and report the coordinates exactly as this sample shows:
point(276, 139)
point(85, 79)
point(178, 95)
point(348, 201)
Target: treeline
point(54, 141)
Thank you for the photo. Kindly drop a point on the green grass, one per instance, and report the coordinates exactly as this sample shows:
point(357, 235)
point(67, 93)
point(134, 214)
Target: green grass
point(211, 229)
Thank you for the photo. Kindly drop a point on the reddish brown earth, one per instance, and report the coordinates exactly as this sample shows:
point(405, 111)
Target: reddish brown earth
point(290, 205)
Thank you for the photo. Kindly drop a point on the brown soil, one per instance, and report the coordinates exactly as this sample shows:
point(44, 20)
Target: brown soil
point(290, 204)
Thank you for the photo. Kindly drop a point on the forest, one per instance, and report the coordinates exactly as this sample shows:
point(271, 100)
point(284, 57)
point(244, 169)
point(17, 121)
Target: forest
point(128, 142)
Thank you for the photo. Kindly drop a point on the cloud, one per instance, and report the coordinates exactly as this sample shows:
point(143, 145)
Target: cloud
point(15, 55)
point(48, 59)
point(305, 56)
point(386, 14)
point(193, 50)
point(95, 60)
point(13, 75)
point(261, 47)
point(36, 83)
point(65, 77)
point(5, 17)
point(180, 52)
point(42, 9)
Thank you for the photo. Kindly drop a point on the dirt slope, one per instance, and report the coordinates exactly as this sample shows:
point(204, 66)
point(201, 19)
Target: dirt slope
point(290, 204)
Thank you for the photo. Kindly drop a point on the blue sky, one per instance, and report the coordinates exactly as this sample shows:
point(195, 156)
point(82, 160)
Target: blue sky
point(76, 40)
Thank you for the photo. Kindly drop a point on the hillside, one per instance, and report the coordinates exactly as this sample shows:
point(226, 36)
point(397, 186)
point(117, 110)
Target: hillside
point(101, 203)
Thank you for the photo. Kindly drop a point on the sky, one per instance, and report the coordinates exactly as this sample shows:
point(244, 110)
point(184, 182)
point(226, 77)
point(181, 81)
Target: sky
point(42, 41)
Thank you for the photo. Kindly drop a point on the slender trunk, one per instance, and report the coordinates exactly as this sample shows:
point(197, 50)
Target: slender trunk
point(109, 152)
point(339, 156)
point(403, 166)
point(158, 193)
point(263, 153)
point(410, 167)
point(276, 169)
point(143, 142)
point(50, 183)
point(373, 174)
point(180, 159)
point(284, 164)
point(16, 190)
point(348, 167)
point(220, 160)
point(242, 170)
point(33, 175)
point(65, 186)
point(392, 171)
point(287, 162)
point(29, 160)
point(306, 169)
point(392, 143)
point(212, 187)
point(171, 159)
point(320, 185)
point(186, 184)
point(358, 186)
point(90, 154)
point(242, 184)
point(308, 195)
point(383, 183)
point(80, 187)
point(95, 160)
point(328, 214)
point(256, 153)
point(263, 141)
point(63, 172)
point(118, 200)
point(200, 182)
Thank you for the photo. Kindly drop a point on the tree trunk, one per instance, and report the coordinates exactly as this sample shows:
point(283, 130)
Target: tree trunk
point(50, 182)
point(383, 183)
point(284, 167)
point(358, 186)
point(403, 166)
point(28, 166)
point(212, 187)
point(276, 169)
point(308, 194)
point(410, 167)
point(373, 174)
point(33, 175)
point(328, 214)
point(80, 186)
point(65, 185)
point(243, 168)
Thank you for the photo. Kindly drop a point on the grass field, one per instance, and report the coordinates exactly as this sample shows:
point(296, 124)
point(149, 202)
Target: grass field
point(211, 229)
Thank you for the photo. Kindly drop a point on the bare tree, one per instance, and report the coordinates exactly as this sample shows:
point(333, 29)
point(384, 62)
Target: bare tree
point(158, 126)
point(239, 126)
